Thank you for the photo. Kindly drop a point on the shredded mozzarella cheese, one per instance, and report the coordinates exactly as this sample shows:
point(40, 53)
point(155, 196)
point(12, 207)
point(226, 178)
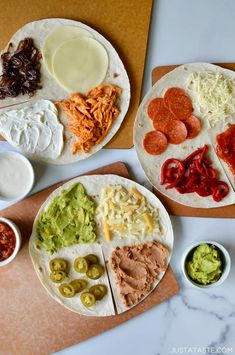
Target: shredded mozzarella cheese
point(214, 94)
point(127, 213)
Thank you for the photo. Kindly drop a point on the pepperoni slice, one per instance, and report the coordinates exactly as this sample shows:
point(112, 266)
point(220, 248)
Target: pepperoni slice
point(161, 118)
point(155, 142)
point(155, 106)
point(178, 103)
point(176, 132)
point(193, 126)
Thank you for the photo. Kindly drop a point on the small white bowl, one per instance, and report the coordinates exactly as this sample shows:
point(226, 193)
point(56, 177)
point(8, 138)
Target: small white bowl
point(226, 264)
point(28, 175)
point(17, 232)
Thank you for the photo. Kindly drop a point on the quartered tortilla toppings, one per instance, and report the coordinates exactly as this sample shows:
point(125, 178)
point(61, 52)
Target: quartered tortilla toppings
point(136, 268)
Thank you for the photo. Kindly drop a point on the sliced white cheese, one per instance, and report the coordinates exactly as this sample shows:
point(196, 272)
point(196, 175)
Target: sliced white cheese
point(80, 64)
point(34, 129)
point(57, 37)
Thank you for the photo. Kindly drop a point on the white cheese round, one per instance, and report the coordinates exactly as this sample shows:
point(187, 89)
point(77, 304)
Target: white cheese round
point(80, 64)
point(57, 37)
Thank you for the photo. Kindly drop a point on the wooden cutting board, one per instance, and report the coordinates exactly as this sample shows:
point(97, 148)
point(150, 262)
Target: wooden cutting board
point(31, 321)
point(124, 23)
point(173, 207)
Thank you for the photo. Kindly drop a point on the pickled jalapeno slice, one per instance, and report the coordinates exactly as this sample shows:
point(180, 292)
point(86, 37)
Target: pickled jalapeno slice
point(57, 276)
point(88, 299)
point(81, 265)
point(95, 271)
point(79, 285)
point(58, 264)
point(92, 259)
point(99, 291)
point(67, 290)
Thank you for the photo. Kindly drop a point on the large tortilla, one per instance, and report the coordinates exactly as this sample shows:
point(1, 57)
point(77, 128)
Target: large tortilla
point(93, 185)
point(152, 164)
point(51, 90)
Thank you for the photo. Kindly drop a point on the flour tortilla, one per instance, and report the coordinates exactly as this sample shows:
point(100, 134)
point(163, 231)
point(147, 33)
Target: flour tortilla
point(51, 90)
point(93, 185)
point(152, 164)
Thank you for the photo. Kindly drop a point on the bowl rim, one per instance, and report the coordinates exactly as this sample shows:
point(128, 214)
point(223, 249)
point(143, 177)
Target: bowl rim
point(225, 272)
point(17, 232)
point(31, 173)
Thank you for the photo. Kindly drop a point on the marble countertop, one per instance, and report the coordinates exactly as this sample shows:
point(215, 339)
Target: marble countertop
point(195, 320)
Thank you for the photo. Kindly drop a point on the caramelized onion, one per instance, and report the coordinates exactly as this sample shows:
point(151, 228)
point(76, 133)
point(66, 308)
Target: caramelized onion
point(20, 70)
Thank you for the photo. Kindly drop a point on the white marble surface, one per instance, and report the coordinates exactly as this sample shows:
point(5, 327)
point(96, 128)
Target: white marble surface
point(194, 321)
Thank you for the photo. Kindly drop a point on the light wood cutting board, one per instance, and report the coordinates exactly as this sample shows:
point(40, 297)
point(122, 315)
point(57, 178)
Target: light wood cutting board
point(173, 207)
point(31, 322)
point(124, 23)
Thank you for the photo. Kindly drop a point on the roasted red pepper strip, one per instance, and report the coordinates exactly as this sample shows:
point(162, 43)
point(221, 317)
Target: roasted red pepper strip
point(179, 170)
point(203, 153)
point(187, 160)
point(220, 191)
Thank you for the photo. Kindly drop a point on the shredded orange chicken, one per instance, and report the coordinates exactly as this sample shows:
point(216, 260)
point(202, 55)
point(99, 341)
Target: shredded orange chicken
point(90, 117)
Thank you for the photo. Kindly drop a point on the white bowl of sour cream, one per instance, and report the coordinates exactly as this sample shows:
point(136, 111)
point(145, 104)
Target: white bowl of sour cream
point(16, 176)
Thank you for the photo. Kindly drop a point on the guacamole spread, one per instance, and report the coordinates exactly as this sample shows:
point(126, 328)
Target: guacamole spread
point(68, 220)
point(205, 265)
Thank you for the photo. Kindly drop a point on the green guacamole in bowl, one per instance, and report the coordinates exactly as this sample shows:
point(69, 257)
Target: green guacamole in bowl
point(204, 265)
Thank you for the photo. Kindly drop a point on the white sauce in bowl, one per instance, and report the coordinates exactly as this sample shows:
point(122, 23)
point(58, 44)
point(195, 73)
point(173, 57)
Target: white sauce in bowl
point(16, 176)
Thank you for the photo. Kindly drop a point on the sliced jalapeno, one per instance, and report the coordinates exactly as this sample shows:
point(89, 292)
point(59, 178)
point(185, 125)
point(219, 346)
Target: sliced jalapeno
point(95, 271)
point(67, 290)
point(79, 285)
point(57, 276)
point(81, 265)
point(58, 264)
point(99, 291)
point(92, 259)
point(88, 299)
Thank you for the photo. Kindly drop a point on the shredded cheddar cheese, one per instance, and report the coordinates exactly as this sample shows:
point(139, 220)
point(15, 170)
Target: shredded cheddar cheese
point(127, 213)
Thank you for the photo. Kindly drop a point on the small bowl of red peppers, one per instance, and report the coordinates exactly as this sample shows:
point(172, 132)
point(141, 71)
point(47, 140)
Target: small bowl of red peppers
point(10, 241)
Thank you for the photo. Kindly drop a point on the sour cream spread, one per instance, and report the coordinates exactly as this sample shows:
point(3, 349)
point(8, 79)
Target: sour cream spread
point(16, 176)
point(34, 129)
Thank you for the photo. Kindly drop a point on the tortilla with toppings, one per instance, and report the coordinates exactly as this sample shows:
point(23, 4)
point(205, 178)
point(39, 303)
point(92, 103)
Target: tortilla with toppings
point(201, 129)
point(94, 186)
point(51, 90)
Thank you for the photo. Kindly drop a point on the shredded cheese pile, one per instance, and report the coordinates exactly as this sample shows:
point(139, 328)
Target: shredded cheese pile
point(126, 214)
point(214, 95)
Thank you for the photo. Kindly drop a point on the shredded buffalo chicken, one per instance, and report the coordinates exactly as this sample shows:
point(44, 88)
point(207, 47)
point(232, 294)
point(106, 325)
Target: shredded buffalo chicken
point(90, 117)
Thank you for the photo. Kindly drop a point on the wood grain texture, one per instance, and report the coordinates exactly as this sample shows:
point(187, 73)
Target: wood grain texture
point(31, 321)
point(124, 23)
point(173, 207)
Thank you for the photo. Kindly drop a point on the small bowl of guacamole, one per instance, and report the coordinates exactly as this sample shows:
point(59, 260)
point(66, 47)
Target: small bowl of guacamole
point(206, 264)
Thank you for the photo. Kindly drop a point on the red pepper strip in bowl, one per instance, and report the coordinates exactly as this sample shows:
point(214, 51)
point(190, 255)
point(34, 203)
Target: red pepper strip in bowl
point(194, 174)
